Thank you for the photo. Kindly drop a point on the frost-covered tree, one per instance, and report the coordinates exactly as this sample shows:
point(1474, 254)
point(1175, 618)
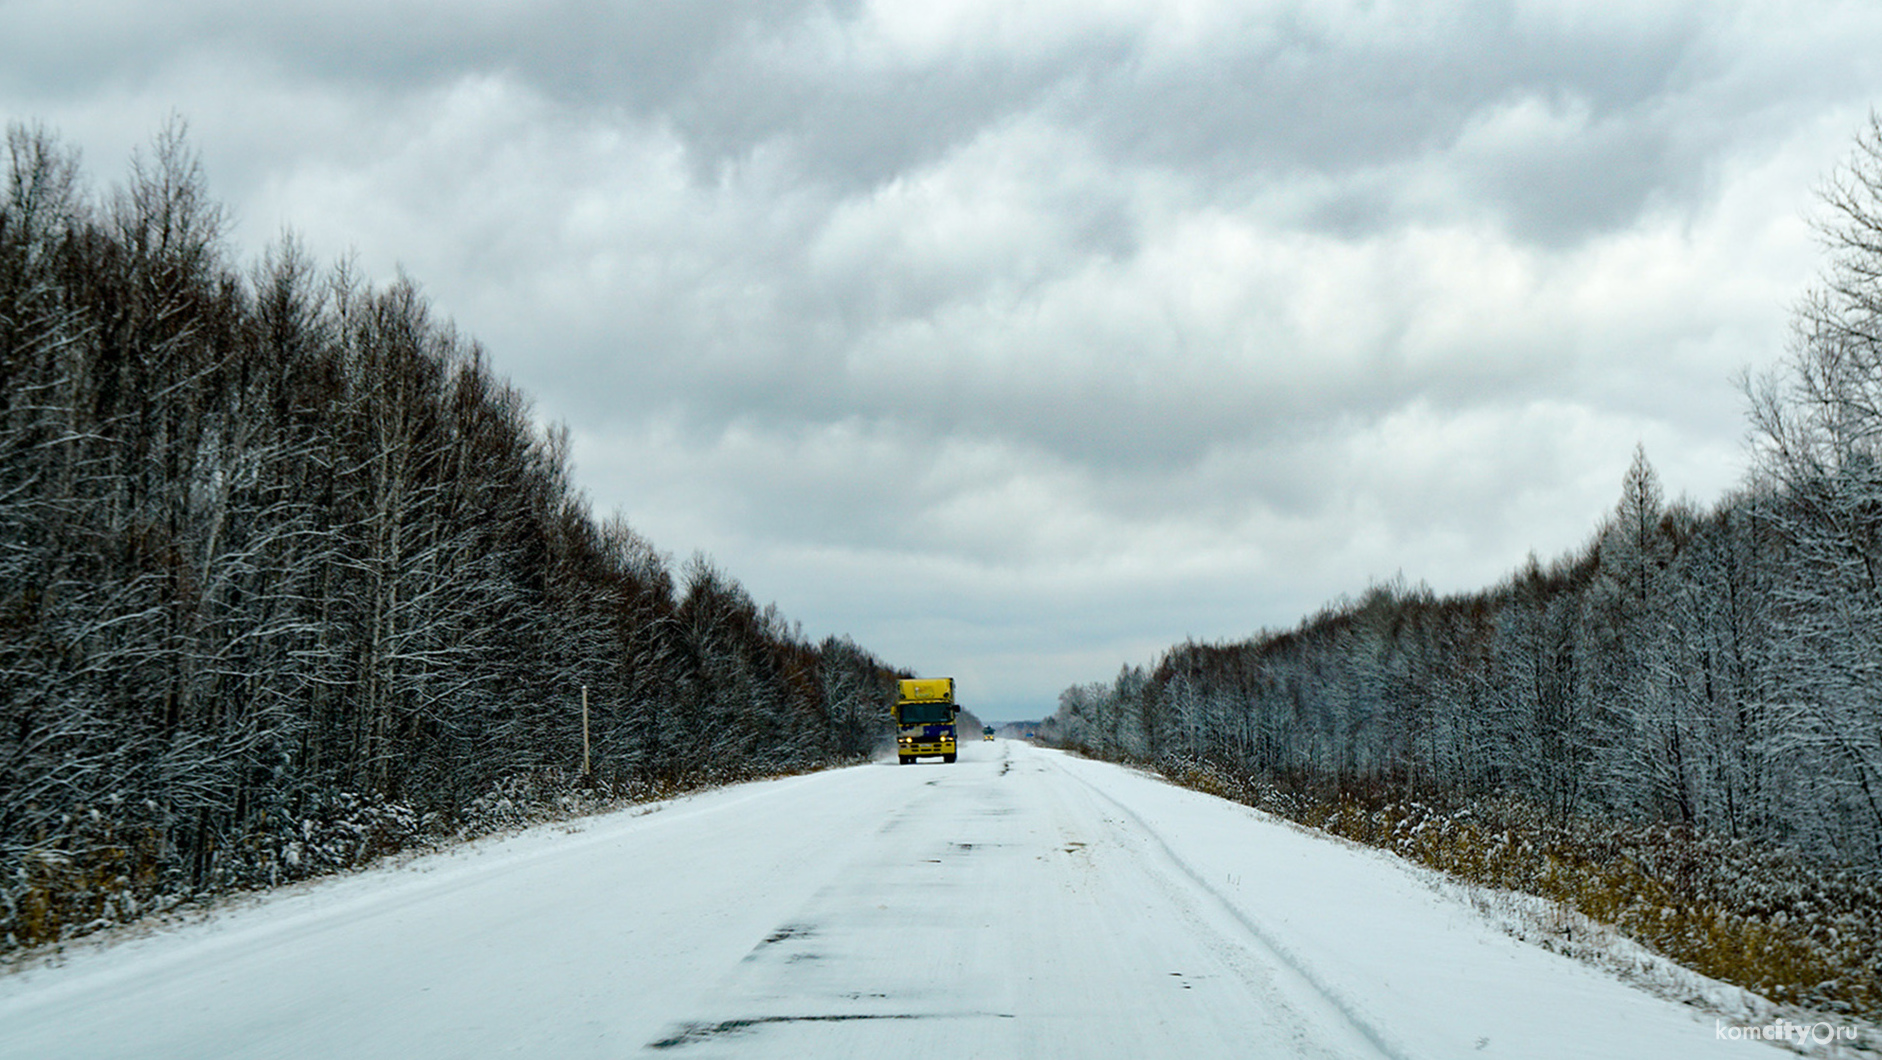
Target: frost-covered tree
point(1819, 448)
point(1718, 669)
point(286, 569)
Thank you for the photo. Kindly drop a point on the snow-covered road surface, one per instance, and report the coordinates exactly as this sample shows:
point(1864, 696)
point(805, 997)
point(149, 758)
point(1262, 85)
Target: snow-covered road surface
point(1019, 903)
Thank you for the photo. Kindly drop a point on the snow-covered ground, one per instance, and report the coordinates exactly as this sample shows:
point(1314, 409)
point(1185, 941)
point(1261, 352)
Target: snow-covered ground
point(1020, 903)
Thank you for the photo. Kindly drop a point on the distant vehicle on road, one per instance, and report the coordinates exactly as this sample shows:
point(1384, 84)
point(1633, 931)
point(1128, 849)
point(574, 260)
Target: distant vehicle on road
point(924, 719)
point(986, 733)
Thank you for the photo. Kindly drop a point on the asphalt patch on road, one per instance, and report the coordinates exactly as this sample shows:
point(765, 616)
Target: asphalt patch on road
point(782, 934)
point(786, 932)
point(694, 1033)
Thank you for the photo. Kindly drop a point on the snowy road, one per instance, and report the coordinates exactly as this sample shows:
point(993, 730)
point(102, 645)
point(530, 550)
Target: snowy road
point(1020, 903)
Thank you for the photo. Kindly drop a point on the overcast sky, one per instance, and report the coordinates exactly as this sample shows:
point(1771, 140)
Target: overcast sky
point(1020, 340)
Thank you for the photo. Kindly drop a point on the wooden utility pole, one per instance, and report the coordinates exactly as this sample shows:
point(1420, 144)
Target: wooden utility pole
point(586, 771)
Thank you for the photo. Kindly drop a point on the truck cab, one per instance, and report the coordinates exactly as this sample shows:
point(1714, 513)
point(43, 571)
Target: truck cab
point(924, 719)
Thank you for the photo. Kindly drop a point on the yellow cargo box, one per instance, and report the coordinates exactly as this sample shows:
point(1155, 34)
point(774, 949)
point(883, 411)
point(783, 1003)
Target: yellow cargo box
point(928, 690)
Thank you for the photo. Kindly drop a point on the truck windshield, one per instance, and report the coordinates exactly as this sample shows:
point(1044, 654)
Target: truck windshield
point(926, 713)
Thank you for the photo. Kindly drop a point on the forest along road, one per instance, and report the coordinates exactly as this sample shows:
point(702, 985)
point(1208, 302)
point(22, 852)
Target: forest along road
point(1019, 903)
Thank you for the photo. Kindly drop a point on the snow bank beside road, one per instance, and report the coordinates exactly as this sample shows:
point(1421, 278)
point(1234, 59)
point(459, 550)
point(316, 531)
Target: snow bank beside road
point(1430, 974)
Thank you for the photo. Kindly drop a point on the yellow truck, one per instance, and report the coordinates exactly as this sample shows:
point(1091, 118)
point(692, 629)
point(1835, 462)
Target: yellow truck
point(924, 719)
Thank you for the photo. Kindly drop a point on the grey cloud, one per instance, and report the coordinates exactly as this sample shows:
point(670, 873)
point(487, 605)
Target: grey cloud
point(732, 76)
point(1184, 334)
point(644, 53)
point(1315, 103)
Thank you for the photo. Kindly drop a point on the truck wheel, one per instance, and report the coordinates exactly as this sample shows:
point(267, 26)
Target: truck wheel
point(947, 758)
point(903, 760)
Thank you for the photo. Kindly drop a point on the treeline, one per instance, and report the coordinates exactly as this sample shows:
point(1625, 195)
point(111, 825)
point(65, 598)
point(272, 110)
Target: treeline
point(288, 575)
point(1716, 669)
